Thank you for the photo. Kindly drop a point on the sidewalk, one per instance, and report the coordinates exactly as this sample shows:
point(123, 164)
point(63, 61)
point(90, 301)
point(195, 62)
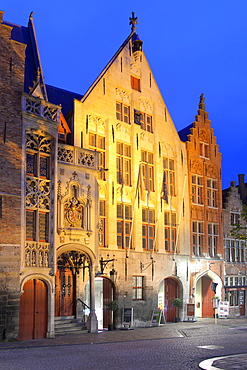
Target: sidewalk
point(170, 330)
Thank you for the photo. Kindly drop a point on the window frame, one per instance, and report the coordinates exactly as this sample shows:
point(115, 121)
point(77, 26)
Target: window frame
point(123, 163)
point(148, 229)
point(122, 112)
point(169, 178)
point(98, 144)
point(124, 224)
point(147, 168)
point(213, 239)
point(197, 238)
point(137, 288)
point(170, 230)
point(212, 193)
point(197, 189)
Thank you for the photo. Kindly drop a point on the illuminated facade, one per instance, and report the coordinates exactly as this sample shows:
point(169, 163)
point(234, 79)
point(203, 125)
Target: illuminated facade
point(205, 193)
point(109, 203)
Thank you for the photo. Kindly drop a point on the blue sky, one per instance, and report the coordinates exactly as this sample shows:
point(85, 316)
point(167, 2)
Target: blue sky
point(193, 47)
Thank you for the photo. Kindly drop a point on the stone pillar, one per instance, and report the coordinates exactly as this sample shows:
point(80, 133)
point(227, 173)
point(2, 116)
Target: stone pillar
point(51, 310)
point(92, 323)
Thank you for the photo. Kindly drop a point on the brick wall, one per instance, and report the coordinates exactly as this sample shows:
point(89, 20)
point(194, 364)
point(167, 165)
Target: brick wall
point(12, 60)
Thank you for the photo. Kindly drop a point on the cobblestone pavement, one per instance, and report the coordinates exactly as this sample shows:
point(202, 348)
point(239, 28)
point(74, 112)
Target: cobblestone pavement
point(204, 328)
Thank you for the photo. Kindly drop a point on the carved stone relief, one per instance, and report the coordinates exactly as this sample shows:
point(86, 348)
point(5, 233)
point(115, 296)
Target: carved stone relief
point(204, 136)
point(196, 167)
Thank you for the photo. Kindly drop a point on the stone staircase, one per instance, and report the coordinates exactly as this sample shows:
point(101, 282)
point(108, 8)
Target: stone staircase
point(69, 325)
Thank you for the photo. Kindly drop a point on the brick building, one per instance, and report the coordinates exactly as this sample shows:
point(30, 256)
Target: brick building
point(206, 238)
point(235, 249)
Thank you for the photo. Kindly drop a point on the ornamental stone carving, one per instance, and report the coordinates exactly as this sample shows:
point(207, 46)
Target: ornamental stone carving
point(146, 106)
point(196, 167)
point(123, 95)
point(211, 171)
point(96, 122)
point(204, 136)
point(38, 142)
point(135, 69)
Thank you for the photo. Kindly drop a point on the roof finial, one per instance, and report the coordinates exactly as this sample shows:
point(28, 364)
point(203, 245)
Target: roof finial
point(31, 16)
point(133, 22)
point(202, 102)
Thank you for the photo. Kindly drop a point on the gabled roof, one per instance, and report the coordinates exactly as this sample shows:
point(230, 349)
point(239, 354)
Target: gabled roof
point(107, 66)
point(183, 134)
point(65, 98)
point(27, 35)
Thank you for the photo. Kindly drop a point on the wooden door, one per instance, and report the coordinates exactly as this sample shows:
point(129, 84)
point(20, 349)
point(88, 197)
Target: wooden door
point(207, 295)
point(107, 298)
point(171, 292)
point(33, 311)
point(64, 300)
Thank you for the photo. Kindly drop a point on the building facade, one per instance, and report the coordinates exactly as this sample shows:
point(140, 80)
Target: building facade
point(235, 250)
point(205, 193)
point(101, 199)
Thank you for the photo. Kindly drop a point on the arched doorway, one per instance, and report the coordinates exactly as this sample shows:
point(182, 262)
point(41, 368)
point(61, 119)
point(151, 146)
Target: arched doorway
point(168, 290)
point(204, 293)
point(104, 294)
point(69, 265)
point(33, 310)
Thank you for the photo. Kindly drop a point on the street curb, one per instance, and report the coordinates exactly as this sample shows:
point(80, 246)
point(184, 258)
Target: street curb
point(207, 364)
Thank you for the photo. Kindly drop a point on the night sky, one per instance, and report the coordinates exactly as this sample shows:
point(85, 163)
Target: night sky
point(193, 47)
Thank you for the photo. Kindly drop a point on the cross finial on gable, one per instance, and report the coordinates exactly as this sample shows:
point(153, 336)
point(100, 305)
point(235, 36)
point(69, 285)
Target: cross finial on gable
point(133, 22)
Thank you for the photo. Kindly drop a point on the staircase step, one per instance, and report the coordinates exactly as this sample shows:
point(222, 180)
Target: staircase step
point(69, 325)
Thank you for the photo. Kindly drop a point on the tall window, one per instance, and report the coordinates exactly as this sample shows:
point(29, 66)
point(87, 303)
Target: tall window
point(123, 164)
point(97, 142)
point(170, 231)
point(235, 218)
point(204, 150)
point(122, 112)
point(234, 250)
point(148, 228)
point(213, 236)
point(37, 226)
point(124, 223)
point(169, 179)
point(212, 192)
point(102, 223)
point(197, 189)
point(37, 188)
point(137, 287)
point(147, 166)
point(135, 83)
point(197, 237)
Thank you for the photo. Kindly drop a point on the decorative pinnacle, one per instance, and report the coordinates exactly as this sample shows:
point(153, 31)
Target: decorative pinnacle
point(133, 22)
point(202, 102)
point(31, 16)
